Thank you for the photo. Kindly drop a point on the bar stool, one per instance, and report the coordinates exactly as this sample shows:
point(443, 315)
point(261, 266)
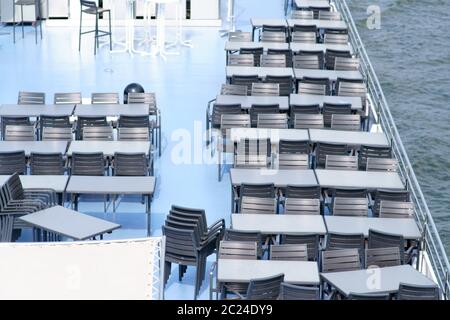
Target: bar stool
point(92, 8)
point(37, 14)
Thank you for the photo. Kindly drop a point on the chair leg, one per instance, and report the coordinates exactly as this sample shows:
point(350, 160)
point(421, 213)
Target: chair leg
point(79, 34)
point(110, 31)
point(95, 35)
point(167, 270)
point(40, 18)
point(21, 19)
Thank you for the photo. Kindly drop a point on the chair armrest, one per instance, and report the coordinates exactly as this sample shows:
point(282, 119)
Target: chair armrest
point(216, 225)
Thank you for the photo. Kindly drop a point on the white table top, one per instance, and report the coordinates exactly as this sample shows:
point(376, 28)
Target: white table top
point(34, 146)
point(247, 101)
point(69, 223)
point(109, 147)
point(261, 72)
point(312, 3)
point(259, 22)
point(304, 99)
point(57, 183)
point(35, 110)
point(353, 138)
point(295, 272)
point(280, 178)
point(237, 45)
point(299, 46)
point(363, 281)
point(111, 185)
point(351, 225)
point(359, 179)
point(275, 135)
point(279, 223)
point(320, 24)
point(330, 74)
point(111, 109)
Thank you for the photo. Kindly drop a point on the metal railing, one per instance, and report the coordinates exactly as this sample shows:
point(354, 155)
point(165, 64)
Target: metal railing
point(431, 242)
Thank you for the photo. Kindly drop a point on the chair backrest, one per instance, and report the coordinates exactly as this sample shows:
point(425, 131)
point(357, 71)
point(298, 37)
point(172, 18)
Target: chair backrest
point(293, 292)
point(294, 146)
point(20, 133)
point(31, 97)
point(329, 109)
point(305, 28)
point(343, 63)
point(286, 52)
point(273, 61)
point(53, 134)
point(254, 147)
point(302, 14)
point(6, 228)
point(257, 109)
point(368, 296)
point(289, 252)
point(244, 236)
point(270, 36)
point(130, 164)
point(348, 193)
point(257, 205)
point(416, 292)
point(245, 81)
point(46, 164)
point(382, 257)
point(382, 164)
point(272, 120)
point(306, 61)
point(378, 239)
point(133, 134)
point(11, 162)
point(303, 192)
point(308, 121)
point(349, 122)
point(324, 149)
point(129, 121)
point(256, 52)
point(396, 209)
point(197, 215)
point(14, 188)
point(347, 88)
point(302, 206)
point(340, 260)
point(221, 109)
point(312, 88)
point(333, 162)
point(242, 250)
point(88, 164)
point(329, 15)
point(389, 195)
point(89, 121)
point(180, 244)
point(338, 241)
point(104, 133)
point(142, 98)
point(67, 98)
point(14, 121)
point(304, 108)
point(265, 89)
point(330, 55)
point(89, 4)
point(238, 36)
point(274, 28)
point(105, 98)
point(233, 90)
point(265, 288)
point(263, 190)
point(286, 83)
point(312, 242)
point(304, 36)
point(366, 152)
point(358, 207)
point(293, 161)
point(246, 60)
point(54, 121)
point(228, 121)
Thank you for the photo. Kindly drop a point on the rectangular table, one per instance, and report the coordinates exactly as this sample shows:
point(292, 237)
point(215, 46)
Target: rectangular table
point(114, 185)
point(306, 99)
point(55, 182)
point(380, 280)
point(305, 4)
point(295, 272)
point(247, 101)
point(319, 23)
point(261, 72)
point(279, 223)
point(68, 223)
point(35, 110)
point(275, 135)
point(111, 110)
point(371, 180)
point(330, 74)
point(351, 225)
point(237, 45)
point(34, 146)
point(299, 46)
point(109, 147)
point(352, 138)
point(280, 178)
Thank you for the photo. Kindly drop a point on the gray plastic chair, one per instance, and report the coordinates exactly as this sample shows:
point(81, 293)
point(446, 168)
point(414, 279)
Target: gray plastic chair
point(103, 133)
point(324, 149)
point(6, 228)
point(128, 121)
point(242, 250)
point(91, 8)
point(11, 162)
point(256, 52)
point(264, 288)
point(348, 163)
point(308, 121)
point(343, 63)
point(233, 90)
point(286, 52)
point(88, 164)
point(306, 61)
point(382, 164)
point(356, 207)
point(293, 161)
point(294, 292)
point(366, 152)
point(67, 98)
point(20, 133)
point(303, 192)
point(330, 55)
point(89, 121)
point(396, 209)
point(329, 15)
point(289, 252)
point(243, 60)
point(311, 241)
point(221, 109)
point(31, 97)
point(244, 81)
point(347, 122)
point(273, 61)
point(329, 109)
point(133, 134)
point(142, 98)
point(340, 260)
point(46, 164)
point(416, 292)
point(268, 36)
point(265, 89)
point(304, 37)
point(304, 108)
point(302, 206)
point(338, 241)
point(302, 14)
point(378, 239)
point(368, 296)
point(105, 98)
point(52, 121)
point(333, 38)
point(388, 195)
point(272, 121)
point(37, 17)
point(383, 257)
point(130, 164)
point(286, 83)
point(54, 134)
point(294, 146)
point(14, 121)
point(312, 88)
point(256, 109)
point(256, 205)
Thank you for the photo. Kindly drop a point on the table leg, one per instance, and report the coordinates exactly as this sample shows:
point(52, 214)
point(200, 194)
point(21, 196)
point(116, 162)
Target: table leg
point(148, 212)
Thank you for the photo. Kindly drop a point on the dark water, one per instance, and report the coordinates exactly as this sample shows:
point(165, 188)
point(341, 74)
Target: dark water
point(411, 56)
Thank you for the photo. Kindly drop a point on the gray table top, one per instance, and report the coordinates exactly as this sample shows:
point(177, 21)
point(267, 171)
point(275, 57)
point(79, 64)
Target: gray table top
point(280, 178)
point(69, 223)
point(351, 225)
point(111, 109)
point(35, 110)
point(380, 280)
point(312, 3)
point(237, 45)
point(320, 24)
point(353, 138)
point(303, 99)
point(261, 72)
point(57, 183)
point(330, 74)
point(247, 101)
point(259, 22)
point(109, 147)
point(279, 223)
point(275, 135)
point(359, 179)
point(111, 185)
point(34, 146)
point(297, 46)
point(295, 272)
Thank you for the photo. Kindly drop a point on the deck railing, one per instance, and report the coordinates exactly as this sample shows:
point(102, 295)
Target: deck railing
point(431, 243)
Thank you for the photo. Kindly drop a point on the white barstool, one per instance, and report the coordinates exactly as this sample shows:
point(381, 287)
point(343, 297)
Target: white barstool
point(148, 38)
point(179, 20)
